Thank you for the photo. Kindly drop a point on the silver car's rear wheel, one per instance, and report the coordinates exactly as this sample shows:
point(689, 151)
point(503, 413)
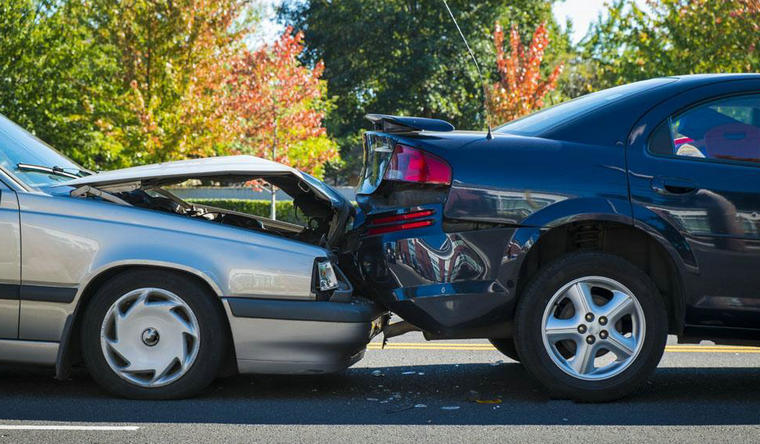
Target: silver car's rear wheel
point(150, 337)
point(593, 328)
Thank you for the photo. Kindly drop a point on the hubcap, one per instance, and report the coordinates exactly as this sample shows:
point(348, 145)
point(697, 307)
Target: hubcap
point(150, 337)
point(593, 328)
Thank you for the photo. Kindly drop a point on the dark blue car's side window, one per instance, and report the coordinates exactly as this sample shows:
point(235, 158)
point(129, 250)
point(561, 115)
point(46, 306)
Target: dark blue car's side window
point(726, 129)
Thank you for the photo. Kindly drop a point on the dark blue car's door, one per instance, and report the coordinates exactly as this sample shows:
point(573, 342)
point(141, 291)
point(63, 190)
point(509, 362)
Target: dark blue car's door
point(694, 167)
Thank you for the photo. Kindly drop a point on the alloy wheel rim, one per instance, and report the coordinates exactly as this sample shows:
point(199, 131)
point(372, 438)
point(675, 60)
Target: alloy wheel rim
point(150, 337)
point(593, 328)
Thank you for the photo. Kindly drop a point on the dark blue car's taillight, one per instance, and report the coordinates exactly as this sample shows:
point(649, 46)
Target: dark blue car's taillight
point(400, 222)
point(409, 164)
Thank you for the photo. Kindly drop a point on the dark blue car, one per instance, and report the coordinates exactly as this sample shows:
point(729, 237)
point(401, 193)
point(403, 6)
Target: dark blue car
point(577, 238)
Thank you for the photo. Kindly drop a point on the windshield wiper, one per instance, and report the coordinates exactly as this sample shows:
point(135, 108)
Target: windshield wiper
point(56, 170)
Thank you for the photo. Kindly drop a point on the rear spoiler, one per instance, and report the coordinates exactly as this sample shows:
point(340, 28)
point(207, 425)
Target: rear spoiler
point(398, 124)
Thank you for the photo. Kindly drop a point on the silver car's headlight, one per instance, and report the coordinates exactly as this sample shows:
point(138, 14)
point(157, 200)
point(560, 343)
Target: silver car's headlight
point(326, 278)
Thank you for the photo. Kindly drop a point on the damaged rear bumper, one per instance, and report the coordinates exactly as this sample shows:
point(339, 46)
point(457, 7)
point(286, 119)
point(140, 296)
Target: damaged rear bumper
point(301, 337)
point(448, 284)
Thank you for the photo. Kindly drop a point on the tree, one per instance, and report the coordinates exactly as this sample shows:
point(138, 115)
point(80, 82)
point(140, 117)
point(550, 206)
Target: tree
point(278, 106)
point(53, 80)
point(174, 55)
point(403, 57)
point(118, 83)
point(749, 6)
point(675, 37)
point(520, 89)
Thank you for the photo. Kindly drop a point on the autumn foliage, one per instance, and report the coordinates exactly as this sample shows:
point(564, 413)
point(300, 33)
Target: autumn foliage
point(520, 89)
point(182, 83)
point(278, 106)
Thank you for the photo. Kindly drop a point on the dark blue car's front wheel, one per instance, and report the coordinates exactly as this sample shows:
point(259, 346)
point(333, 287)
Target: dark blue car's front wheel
point(591, 327)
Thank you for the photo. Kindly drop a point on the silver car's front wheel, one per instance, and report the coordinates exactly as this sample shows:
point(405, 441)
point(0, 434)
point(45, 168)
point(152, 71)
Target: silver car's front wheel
point(154, 334)
point(150, 337)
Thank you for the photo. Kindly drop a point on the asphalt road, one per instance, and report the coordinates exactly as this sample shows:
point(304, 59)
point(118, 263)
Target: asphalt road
point(412, 392)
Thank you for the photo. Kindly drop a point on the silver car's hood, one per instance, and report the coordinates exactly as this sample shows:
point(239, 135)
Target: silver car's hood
point(207, 167)
point(210, 166)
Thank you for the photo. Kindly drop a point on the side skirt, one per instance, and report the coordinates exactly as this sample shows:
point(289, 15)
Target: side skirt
point(28, 352)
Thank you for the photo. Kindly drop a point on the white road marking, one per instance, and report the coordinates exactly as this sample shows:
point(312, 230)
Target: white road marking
point(68, 427)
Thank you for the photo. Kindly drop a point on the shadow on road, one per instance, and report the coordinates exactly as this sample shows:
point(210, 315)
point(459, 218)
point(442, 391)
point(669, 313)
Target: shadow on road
point(394, 395)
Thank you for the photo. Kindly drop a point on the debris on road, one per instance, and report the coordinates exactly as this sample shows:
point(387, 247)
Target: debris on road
point(450, 407)
point(474, 396)
point(488, 401)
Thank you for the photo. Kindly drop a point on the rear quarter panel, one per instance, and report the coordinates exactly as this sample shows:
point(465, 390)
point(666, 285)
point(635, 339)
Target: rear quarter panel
point(526, 181)
point(459, 278)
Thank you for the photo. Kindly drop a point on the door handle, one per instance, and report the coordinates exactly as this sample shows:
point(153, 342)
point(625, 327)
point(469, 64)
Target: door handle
point(673, 185)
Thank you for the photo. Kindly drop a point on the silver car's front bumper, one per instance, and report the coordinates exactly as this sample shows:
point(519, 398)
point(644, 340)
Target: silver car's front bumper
point(301, 337)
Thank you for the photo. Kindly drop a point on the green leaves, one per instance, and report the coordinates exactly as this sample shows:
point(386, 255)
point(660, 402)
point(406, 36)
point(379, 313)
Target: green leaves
point(125, 82)
point(674, 37)
point(403, 57)
point(50, 76)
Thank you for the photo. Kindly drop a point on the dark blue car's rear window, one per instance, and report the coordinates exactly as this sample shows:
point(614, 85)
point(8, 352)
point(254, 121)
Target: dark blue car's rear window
point(536, 123)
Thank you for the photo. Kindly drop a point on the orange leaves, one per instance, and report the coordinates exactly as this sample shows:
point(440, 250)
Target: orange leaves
point(749, 7)
point(520, 89)
point(192, 88)
point(277, 104)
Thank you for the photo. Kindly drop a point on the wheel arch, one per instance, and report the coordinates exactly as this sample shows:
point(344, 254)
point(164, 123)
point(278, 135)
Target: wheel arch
point(69, 350)
point(635, 243)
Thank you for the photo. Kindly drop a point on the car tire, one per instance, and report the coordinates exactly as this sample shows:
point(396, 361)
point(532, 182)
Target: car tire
point(618, 342)
point(507, 347)
point(153, 334)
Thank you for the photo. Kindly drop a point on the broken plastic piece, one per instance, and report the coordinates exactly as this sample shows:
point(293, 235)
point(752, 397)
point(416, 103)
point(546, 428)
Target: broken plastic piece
point(488, 401)
point(396, 329)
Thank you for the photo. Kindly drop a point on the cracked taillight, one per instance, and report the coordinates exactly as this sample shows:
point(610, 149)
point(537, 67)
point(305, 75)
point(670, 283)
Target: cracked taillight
point(409, 164)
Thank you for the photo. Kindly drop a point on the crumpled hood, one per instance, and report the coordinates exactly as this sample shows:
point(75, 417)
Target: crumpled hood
point(177, 171)
point(210, 166)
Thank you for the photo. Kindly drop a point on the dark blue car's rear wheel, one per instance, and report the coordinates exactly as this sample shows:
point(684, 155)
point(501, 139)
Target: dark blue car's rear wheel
point(591, 327)
point(507, 347)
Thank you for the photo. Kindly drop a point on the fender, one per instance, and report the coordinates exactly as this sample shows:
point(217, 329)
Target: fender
point(145, 263)
point(664, 234)
point(527, 234)
point(63, 361)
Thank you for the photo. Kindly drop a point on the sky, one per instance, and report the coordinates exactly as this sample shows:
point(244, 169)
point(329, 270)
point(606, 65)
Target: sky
point(582, 13)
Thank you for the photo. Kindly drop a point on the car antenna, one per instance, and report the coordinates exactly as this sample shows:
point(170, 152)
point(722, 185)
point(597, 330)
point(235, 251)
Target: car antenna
point(489, 136)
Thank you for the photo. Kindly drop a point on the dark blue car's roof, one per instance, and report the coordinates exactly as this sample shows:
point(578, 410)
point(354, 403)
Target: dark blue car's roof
point(605, 126)
point(611, 124)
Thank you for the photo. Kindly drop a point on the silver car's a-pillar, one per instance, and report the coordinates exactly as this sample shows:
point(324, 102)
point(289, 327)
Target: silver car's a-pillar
point(10, 263)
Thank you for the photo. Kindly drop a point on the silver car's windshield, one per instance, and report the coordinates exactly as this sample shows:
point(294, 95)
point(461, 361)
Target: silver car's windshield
point(18, 147)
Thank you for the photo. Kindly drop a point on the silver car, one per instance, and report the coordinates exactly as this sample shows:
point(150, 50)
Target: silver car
point(158, 296)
